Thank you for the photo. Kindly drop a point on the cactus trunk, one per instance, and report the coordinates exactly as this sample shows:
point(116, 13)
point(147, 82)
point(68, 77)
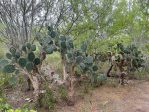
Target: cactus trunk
point(64, 73)
point(71, 92)
point(71, 85)
point(64, 77)
point(35, 83)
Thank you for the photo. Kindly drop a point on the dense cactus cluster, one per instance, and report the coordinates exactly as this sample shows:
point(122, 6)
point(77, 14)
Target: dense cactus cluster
point(127, 59)
point(24, 58)
point(76, 58)
point(132, 56)
point(75, 61)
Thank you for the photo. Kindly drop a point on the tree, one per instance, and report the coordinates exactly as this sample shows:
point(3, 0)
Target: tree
point(21, 19)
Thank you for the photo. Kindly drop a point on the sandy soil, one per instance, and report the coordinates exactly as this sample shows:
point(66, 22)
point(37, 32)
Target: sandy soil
point(129, 98)
point(133, 97)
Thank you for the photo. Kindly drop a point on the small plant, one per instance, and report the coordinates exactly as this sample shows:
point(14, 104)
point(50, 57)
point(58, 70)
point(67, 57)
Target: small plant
point(63, 92)
point(5, 107)
point(47, 99)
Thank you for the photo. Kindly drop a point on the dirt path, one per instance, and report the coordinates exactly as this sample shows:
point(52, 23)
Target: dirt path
point(130, 98)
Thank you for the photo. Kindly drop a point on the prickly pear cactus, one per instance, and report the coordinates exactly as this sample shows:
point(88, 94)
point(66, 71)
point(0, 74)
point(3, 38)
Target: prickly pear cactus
point(134, 56)
point(71, 56)
point(22, 62)
point(22, 59)
point(130, 54)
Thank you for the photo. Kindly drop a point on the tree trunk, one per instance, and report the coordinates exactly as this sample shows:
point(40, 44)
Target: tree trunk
point(64, 72)
point(35, 83)
point(64, 77)
point(71, 92)
point(71, 87)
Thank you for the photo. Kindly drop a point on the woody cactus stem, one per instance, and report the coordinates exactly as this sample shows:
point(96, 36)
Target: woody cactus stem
point(64, 77)
point(108, 73)
point(35, 83)
point(64, 72)
point(70, 87)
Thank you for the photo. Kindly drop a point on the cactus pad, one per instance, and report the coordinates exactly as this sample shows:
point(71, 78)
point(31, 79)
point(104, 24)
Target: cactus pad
point(33, 47)
point(95, 68)
point(49, 49)
point(84, 46)
point(82, 66)
point(12, 50)
point(53, 34)
point(17, 55)
point(79, 59)
point(22, 62)
point(89, 60)
point(31, 56)
point(63, 44)
point(9, 68)
point(28, 45)
point(8, 55)
point(24, 48)
point(36, 61)
point(29, 66)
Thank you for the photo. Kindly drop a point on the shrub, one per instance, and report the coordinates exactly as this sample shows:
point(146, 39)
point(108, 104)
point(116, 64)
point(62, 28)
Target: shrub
point(5, 107)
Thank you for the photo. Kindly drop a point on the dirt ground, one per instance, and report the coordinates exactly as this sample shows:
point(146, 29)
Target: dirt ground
point(129, 98)
point(133, 97)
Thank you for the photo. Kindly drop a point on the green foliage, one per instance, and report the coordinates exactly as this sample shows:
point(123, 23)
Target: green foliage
point(131, 55)
point(29, 66)
point(17, 55)
point(72, 56)
point(4, 82)
point(24, 48)
point(8, 55)
point(28, 45)
point(33, 47)
point(102, 78)
point(9, 68)
point(111, 43)
point(36, 61)
point(95, 68)
point(12, 50)
point(25, 58)
point(22, 62)
point(5, 107)
point(135, 55)
point(99, 79)
point(47, 99)
point(79, 59)
point(3, 63)
point(31, 56)
point(63, 92)
point(84, 46)
point(89, 60)
point(49, 49)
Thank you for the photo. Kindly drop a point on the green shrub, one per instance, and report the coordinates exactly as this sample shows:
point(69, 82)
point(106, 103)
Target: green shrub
point(5, 107)
point(47, 99)
point(63, 92)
